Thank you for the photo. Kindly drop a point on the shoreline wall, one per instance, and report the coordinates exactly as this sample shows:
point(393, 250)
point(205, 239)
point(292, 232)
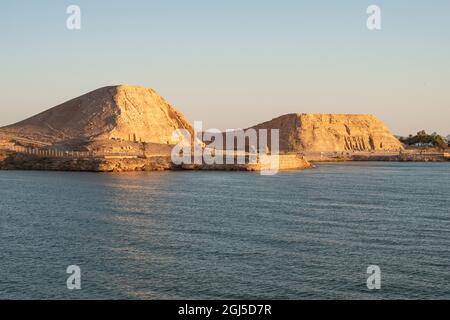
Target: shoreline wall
point(394, 157)
point(282, 162)
point(29, 162)
point(17, 161)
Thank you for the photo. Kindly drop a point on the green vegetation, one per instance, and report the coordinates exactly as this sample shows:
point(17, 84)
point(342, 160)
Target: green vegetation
point(424, 139)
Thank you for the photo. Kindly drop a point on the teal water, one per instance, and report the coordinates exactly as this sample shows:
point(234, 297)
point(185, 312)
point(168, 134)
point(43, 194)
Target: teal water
point(228, 235)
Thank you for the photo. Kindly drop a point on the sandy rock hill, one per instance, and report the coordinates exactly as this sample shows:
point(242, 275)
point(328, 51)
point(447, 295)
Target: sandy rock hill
point(116, 112)
point(332, 132)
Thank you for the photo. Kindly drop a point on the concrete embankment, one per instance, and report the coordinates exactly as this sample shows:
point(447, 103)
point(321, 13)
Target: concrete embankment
point(404, 158)
point(268, 163)
point(18, 161)
point(399, 157)
point(29, 162)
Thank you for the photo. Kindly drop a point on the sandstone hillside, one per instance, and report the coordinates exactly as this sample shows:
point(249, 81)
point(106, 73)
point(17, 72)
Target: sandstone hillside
point(332, 132)
point(122, 113)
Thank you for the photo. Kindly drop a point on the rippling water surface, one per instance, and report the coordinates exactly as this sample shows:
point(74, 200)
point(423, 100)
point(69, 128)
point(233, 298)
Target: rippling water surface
point(228, 235)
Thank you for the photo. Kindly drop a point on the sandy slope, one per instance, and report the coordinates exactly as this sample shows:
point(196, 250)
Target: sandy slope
point(127, 113)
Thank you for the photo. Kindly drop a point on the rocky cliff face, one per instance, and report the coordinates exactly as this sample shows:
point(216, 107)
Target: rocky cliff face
point(332, 132)
point(130, 113)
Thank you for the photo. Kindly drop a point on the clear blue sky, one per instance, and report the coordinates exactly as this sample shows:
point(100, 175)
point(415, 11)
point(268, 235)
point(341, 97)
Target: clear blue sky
point(235, 63)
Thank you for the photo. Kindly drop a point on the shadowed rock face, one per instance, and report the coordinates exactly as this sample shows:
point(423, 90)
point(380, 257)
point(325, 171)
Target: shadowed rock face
point(117, 112)
point(332, 132)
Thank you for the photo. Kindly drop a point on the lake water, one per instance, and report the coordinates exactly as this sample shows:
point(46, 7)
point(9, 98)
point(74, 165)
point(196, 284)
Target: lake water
point(228, 235)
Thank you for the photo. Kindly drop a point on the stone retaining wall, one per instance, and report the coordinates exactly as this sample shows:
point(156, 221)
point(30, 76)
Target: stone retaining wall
point(17, 161)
